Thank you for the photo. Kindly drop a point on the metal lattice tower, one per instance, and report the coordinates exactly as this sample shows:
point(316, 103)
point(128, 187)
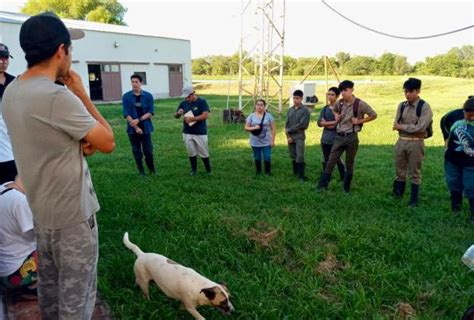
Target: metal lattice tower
point(262, 40)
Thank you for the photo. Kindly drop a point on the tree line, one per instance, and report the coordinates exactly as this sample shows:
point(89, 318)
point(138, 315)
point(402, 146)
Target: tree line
point(457, 62)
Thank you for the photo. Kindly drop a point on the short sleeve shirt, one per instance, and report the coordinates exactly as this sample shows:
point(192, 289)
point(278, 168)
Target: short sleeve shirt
point(265, 137)
point(329, 134)
point(197, 108)
point(46, 123)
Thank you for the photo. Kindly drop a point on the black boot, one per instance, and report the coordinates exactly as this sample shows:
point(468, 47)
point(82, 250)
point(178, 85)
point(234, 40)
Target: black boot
point(268, 167)
point(398, 188)
point(194, 165)
point(150, 164)
point(324, 165)
point(456, 202)
point(207, 165)
point(347, 182)
point(414, 195)
point(258, 167)
point(342, 170)
point(323, 181)
point(295, 168)
point(301, 169)
point(471, 207)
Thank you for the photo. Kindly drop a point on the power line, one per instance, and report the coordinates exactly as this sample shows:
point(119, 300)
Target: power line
point(395, 36)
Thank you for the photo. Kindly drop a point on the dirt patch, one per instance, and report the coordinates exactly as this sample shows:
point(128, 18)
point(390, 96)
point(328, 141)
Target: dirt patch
point(405, 311)
point(329, 267)
point(265, 238)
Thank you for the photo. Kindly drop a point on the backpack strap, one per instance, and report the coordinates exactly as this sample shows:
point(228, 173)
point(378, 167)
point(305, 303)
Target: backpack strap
point(5, 191)
point(420, 105)
point(355, 109)
point(402, 108)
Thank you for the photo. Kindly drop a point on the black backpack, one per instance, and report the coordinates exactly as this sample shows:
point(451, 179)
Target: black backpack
point(421, 103)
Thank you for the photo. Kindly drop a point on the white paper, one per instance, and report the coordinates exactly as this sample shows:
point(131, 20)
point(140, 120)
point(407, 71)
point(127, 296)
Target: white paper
point(188, 115)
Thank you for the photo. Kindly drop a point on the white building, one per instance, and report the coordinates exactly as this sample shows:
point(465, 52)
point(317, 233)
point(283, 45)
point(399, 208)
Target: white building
point(109, 54)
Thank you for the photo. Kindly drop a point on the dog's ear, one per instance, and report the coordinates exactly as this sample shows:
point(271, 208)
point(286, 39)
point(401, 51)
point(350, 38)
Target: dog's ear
point(209, 292)
point(224, 286)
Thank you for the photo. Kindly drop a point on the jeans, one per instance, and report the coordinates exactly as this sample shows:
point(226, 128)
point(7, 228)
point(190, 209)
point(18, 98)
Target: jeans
point(266, 151)
point(459, 178)
point(142, 145)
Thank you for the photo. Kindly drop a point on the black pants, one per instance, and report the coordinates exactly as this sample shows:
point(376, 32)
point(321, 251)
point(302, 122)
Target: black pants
point(142, 145)
point(8, 171)
point(327, 151)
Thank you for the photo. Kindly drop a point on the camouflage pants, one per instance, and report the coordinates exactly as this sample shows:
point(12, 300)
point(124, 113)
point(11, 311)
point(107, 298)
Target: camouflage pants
point(67, 270)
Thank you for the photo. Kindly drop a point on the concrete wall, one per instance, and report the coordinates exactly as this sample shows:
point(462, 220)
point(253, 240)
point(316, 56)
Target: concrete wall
point(132, 52)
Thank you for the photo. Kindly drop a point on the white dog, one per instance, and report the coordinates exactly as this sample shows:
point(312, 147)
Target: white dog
point(178, 282)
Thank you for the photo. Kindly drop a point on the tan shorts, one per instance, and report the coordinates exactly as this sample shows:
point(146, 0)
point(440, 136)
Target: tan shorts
point(196, 145)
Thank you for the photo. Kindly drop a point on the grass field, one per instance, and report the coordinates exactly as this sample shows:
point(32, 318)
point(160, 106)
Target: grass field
point(331, 255)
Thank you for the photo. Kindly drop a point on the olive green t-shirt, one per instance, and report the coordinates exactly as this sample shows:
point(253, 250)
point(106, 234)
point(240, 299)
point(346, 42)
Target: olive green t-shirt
point(46, 123)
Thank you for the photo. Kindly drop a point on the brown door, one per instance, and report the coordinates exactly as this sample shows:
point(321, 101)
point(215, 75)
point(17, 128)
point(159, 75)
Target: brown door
point(111, 82)
point(176, 79)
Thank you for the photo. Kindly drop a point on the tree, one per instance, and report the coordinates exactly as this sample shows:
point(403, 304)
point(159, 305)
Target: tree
point(105, 11)
point(360, 65)
point(342, 58)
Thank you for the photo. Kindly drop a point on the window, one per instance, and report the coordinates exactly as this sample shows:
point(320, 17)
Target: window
point(176, 68)
point(141, 74)
point(110, 68)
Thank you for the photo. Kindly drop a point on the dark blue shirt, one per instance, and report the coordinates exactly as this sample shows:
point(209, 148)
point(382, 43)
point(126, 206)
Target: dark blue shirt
point(129, 103)
point(197, 108)
point(460, 149)
point(8, 78)
point(448, 120)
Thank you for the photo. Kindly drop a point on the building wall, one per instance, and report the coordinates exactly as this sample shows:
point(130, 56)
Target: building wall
point(132, 52)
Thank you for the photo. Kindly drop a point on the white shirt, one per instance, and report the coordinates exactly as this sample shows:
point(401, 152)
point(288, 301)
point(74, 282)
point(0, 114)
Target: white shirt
point(6, 152)
point(17, 238)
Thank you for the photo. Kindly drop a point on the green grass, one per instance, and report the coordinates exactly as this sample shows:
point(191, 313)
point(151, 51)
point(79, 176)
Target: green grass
point(377, 253)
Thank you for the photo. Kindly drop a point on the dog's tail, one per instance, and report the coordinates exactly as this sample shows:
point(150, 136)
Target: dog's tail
point(131, 246)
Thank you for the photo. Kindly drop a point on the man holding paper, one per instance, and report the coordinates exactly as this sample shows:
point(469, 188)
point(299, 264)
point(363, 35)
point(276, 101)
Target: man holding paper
point(195, 111)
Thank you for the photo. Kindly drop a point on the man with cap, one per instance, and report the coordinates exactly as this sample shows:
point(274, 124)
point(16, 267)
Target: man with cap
point(411, 121)
point(195, 111)
point(52, 128)
point(8, 169)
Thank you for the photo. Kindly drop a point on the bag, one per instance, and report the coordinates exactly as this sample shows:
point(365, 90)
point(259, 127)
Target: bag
point(421, 103)
point(257, 132)
point(355, 109)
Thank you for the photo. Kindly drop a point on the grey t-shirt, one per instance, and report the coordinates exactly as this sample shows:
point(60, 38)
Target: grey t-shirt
point(329, 134)
point(46, 122)
point(265, 137)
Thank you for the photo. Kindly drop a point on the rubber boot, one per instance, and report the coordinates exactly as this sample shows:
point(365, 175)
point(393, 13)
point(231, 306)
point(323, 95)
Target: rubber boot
point(323, 181)
point(268, 167)
point(301, 169)
point(414, 195)
point(207, 165)
point(456, 202)
point(398, 188)
point(324, 165)
point(194, 165)
point(347, 183)
point(295, 168)
point(258, 167)
point(342, 170)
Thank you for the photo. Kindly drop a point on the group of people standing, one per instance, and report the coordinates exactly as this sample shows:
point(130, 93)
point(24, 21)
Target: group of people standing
point(342, 120)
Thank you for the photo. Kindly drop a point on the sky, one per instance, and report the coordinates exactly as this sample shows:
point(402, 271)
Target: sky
point(311, 29)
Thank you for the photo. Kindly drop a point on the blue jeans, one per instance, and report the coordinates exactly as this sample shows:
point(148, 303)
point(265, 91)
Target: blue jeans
point(459, 178)
point(142, 145)
point(266, 151)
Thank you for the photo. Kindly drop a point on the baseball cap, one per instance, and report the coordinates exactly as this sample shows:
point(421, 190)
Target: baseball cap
point(187, 91)
point(43, 33)
point(4, 52)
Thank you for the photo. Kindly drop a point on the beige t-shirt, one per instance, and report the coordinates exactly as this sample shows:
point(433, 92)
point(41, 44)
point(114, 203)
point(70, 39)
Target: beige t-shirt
point(46, 122)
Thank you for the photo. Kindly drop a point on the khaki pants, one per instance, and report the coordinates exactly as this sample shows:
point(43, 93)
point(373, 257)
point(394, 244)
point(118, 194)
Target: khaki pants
point(196, 145)
point(67, 271)
point(348, 143)
point(409, 156)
